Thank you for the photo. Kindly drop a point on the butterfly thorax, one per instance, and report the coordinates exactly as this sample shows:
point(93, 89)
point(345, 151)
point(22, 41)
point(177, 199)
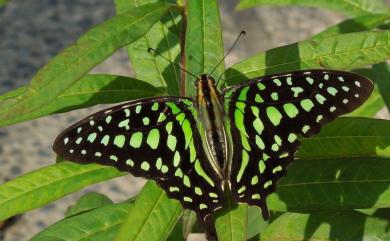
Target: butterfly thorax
point(212, 116)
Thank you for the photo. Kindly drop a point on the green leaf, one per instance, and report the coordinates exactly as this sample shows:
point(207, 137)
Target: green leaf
point(203, 43)
point(256, 223)
point(345, 51)
point(358, 24)
point(325, 226)
point(3, 2)
point(100, 224)
point(177, 233)
point(189, 221)
point(75, 61)
point(382, 79)
point(346, 166)
point(45, 185)
point(231, 222)
point(90, 90)
point(88, 202)
point(355, 137)
point(152, 217)
point(347, 7)
point(164, 36)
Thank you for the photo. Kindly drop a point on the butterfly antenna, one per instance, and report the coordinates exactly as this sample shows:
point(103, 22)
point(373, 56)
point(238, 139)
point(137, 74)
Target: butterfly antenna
point(224, 57)
point(177, 65)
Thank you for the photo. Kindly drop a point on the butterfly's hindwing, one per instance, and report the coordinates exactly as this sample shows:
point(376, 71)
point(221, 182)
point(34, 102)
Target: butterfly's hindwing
point(268, 114)
point(154, 138)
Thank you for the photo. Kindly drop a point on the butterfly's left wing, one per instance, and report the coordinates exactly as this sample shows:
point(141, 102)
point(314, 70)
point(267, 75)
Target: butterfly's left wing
point(156, 138)
point(268, 114)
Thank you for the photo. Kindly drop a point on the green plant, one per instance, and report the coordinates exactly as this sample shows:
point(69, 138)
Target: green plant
point(337, 189)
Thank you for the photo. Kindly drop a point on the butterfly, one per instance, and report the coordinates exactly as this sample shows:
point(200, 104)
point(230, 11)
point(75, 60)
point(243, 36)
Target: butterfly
point(238, 141)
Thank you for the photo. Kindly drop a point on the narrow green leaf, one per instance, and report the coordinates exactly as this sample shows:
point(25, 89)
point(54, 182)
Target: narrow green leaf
point(346, 166)
point(90, 90)
point(164, 36)
point(347, 7)
point(326, 226)
point(345, 51)
point(74, 62)
point(203, 43)
point(382, 74)
point(152, 217)
point(45, 185)
point(3, 2)
point(231, 222)
point(358, 24)
point(88, 202)
point(100, 224)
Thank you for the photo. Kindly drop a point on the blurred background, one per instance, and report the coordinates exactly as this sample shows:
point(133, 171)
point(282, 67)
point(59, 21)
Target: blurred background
point(32, 32)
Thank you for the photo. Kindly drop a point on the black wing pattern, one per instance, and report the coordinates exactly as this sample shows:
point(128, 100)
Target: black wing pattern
point(154, 138)
point(268, 114)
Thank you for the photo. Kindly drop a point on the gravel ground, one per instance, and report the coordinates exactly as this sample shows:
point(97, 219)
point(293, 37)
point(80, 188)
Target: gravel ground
point(32, 32)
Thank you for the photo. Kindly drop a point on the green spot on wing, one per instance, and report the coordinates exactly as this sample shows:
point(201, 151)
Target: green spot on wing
point(179, 173)
point(274, 115)
point(171, 142)
point(243, 93)
point(146, 121)
point(307, 104)
point(153, 138)
point(136, 139)
point(176, 159)
point(291, 110)
point(155, 106)
point(261, 166)
point(168, 127)
point(244, 163)
point(292, 137)
point(130, 162)
point(105, 140)
point(199, 170)
point(145, 166)
point(332, 91)
point(119, 141)
point(124, 123)
point(173, 108)
point(186, 181)
point(91, 138)
point(321, 99)
point(159, 163)
point(258, 125)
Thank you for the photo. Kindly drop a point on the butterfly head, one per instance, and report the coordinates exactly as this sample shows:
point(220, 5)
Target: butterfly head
point(206, 89)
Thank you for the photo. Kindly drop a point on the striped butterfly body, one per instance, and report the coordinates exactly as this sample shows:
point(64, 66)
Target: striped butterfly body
point(238, 141)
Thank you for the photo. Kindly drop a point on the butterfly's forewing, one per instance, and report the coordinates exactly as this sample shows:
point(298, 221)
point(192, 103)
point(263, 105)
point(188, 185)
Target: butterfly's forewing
point(154, 138)
point(267, 115)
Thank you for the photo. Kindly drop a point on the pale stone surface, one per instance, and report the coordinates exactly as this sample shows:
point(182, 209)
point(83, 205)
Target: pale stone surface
point(31, 32)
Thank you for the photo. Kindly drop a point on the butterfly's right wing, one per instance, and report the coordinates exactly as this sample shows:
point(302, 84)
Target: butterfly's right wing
point(267, 115)
point(156, 138)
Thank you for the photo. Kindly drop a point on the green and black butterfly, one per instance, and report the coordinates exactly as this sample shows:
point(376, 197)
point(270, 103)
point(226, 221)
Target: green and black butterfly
point(237, 141)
